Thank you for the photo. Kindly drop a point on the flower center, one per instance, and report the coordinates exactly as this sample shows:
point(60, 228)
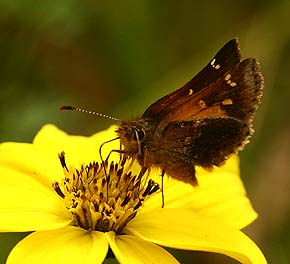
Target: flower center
point(101, 197)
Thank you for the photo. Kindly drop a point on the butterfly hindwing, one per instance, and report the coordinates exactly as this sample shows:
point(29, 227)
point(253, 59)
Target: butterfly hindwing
point(205, 142)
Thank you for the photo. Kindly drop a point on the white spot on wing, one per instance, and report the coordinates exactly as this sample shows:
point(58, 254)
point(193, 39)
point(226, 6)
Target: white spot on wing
point(229, 81)
point(215, 66)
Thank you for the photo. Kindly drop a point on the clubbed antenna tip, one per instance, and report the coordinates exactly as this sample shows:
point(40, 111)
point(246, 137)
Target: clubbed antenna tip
point(67, 107)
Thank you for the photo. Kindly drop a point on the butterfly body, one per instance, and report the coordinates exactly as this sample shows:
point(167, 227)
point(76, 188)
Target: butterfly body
point(201, 123)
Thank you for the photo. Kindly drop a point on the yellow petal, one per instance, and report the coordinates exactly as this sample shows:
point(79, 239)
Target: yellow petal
point(131, 249)
point(78, 149)
point(27, 204)
point(28, 158)
point(26, 192)
point(220, 193)
point(66, 245)
point(184, 229)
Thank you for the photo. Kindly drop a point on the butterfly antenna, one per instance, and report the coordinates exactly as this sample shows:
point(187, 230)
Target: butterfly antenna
point(104, 162)
point(68, 107)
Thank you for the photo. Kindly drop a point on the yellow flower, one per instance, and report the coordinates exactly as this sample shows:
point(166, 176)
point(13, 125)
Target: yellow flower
point(75, 220)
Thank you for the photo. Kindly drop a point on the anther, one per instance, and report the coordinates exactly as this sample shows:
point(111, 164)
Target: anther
point(55, 186)
point(61, 157)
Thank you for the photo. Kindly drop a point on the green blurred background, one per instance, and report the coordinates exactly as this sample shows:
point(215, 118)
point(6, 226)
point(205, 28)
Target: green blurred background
point(118, 57)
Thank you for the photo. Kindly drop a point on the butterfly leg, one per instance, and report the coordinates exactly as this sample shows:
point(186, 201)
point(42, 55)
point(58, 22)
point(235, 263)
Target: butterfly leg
point(116, 151)
point(162, 187)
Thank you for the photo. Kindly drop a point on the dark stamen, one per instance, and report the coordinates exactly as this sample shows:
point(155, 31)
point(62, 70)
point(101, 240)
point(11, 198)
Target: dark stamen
point(61, 157)
point(155, 188)
point(126, 200)
point(138, 204)
point(56, 187)
point(148, 188)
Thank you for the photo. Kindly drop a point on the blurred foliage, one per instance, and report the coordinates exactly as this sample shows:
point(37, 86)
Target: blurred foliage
point(119, 57)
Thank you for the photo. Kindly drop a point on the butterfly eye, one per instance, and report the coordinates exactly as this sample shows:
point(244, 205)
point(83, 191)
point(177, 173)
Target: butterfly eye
point(139, 134)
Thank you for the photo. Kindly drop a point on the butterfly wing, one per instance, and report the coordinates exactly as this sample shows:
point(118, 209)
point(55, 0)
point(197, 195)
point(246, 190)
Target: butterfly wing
point(224, 60)
point(205, 142)
point(212, 114)
point(217, 121)
point(236, 94)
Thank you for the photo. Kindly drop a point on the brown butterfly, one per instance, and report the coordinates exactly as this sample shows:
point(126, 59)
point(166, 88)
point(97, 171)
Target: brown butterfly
point(200, 124)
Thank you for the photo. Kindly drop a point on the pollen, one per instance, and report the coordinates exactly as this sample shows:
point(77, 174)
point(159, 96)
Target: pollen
point(102, 197)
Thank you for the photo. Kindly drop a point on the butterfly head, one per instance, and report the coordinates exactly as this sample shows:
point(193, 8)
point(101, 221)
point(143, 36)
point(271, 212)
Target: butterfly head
point(132, 135)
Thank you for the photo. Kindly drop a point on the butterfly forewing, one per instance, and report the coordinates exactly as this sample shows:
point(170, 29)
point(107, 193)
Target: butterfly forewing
point(235, 94)
point(224, 60)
